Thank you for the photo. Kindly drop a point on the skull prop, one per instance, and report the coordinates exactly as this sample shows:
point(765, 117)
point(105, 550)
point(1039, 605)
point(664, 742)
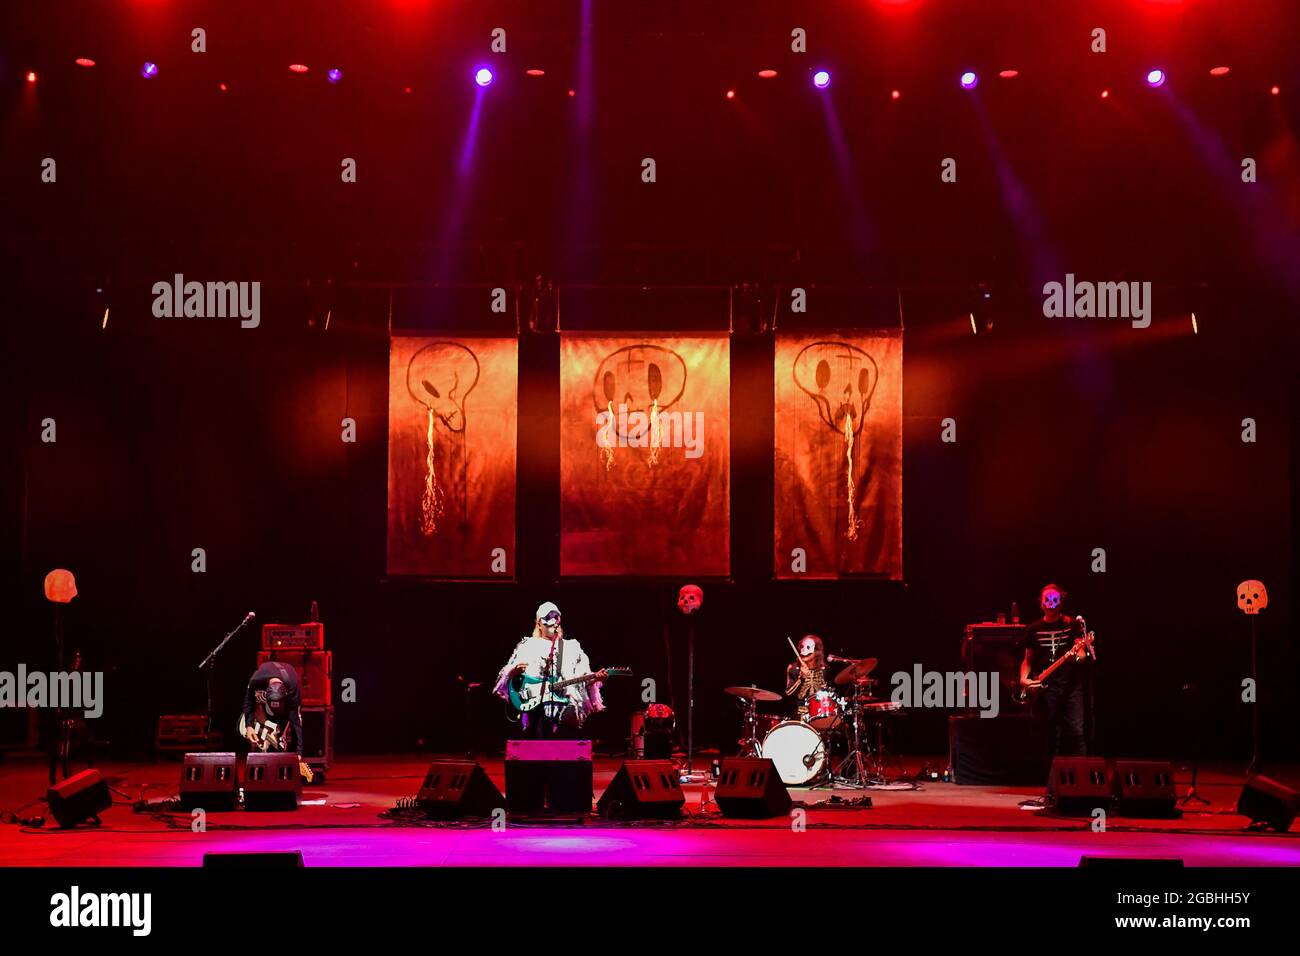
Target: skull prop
point(633, 385)
point(60, 586)
point(689, 599)
point(1252, 597)
point(840, 379)
point(440, 377)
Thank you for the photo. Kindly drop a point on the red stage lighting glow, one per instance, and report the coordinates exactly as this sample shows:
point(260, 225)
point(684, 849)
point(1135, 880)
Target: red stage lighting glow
point(1219, 71)
point(84, 61)
point(767, 74)
point(535, 72)
point(298, 67)
point(571, 93)
point(1275, 90)
point(222, 87)
point(1008, 74)
point(731, 94)
point(1105, 94)
point(407, 90)
point(31, 76)
point(895, 94)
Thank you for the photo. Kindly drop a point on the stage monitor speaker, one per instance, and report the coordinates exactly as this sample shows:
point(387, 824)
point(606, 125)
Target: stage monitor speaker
point(289, 859)
point(272, 781)
point(1079, 785)
point(458, 788)
point(1266, 801)
point(1129, 863)
point(1145, 788)
point(554, 775)
point(81, 797)
point(210, 782)
point(642, 790)
point(751, 788)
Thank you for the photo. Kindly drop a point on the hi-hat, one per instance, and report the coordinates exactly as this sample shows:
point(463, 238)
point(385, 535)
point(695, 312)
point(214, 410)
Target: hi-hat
point(752, 693)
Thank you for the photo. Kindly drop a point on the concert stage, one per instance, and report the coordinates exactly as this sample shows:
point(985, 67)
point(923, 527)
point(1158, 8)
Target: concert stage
point(935, 824)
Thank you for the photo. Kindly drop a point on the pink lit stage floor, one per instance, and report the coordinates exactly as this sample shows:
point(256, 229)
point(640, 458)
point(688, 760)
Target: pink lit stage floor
point(936, 825)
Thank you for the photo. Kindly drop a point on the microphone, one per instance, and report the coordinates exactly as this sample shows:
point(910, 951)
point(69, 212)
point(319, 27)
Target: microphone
point(247, 618)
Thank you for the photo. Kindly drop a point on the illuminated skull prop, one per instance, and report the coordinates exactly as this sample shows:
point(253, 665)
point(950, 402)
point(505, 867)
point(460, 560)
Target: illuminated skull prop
point(642, 377)
point(441, 376)
point(1252, 597)
point(840, 378)
point(689, 599)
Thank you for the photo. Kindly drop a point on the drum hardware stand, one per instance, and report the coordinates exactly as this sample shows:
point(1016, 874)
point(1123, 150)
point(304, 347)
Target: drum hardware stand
point(859, 776)
point(1192, 796)
point(751, 746)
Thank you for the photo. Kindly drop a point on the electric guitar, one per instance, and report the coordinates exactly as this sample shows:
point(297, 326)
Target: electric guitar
point(527, 692)
point(269, 737)
point(1082, 648)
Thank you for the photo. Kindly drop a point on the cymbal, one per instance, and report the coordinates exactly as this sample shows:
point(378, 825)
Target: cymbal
point(752, 693)
point(856, 670)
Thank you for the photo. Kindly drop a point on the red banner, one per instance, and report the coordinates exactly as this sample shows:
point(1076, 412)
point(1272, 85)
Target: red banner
point(645, 457)
point(839, 454)
point(452, 411)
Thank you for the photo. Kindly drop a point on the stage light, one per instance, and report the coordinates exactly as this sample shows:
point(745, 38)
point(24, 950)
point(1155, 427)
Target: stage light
point(1275, 90)
point(1195, 330)
point(406, 90)
point(85, 61)
point(1156, 78)
point(334, 75)
point(969, 80)
point(1008, 74)
point(895, 94)
point(31, 77)
point(572, 93)
point(297, 67)
point(731, 94)
point(535, 72)
point(821, 79)
point(766, 74)
point(483, 77)
point(1105, 94)
point(222, 87)
point(1219, 71)
point(149, 70)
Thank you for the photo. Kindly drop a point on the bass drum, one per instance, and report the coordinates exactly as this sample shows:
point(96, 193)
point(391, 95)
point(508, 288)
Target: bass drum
point(797, 750)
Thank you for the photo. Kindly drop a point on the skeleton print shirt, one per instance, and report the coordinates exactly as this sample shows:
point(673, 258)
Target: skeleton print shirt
point(1046, 641)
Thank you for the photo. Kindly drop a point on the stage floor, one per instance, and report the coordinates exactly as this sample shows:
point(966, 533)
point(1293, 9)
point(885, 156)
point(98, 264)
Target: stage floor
point(936, 824)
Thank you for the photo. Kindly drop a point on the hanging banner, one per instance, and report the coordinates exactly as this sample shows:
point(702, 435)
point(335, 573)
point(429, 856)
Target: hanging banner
point(839, 454)
point(645, 457)
point(452, 411)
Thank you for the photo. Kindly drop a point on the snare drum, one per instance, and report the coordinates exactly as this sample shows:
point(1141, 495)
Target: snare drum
point(797, 751)
point(824, 710)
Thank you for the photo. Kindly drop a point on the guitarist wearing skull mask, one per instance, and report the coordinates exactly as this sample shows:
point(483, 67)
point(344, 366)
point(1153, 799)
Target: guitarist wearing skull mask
point(1059, 698)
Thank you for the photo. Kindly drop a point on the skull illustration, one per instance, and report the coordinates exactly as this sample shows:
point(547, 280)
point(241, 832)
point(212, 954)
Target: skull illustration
point(689, 599)
point(440, 376)
point(641, 377)
point(1252, 597)
point(840, 378)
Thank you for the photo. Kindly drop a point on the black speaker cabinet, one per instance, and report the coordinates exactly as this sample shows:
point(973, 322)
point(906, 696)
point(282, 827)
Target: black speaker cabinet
point(272, 782)
point(554, 775)
point(458, 788)
point(1266, 801)
point(81, 797)
point(1080, 785)
point(1009, 748)
point(643, 789)
point(751, 787)
point(210, 781)
point(1146, 788)
point(996, 648)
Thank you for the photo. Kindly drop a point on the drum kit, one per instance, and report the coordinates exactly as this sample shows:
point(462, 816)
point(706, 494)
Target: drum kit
point(837, 719)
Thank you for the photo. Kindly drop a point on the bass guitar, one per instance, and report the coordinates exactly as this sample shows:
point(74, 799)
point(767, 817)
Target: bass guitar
point(269, 737)
point(1082, 648)
point(527, 692)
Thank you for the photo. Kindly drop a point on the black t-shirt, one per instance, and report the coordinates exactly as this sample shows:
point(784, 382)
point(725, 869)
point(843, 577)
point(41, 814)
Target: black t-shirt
point(1046, 641)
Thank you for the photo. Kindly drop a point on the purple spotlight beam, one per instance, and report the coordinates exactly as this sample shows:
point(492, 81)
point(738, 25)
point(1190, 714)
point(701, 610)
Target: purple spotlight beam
point(149, 70)
point(1156, 78)
point(969, 80)
point(822, 79)
point(483, 77)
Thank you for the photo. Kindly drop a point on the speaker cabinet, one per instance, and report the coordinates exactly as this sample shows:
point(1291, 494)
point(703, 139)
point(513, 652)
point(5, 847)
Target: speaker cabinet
point(554, 775)
point(1008, 749)
point(751, 788)
point(458, 788)
point(272, 782)
point(1146, 789)
point(1079, 785)
point(641, 790)
point(209, 782)
point(81, 797)
point(287, 860)
point(1266, 801)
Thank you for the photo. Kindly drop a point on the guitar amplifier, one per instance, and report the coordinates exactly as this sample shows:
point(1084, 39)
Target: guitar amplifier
point(297, 637)
point(181, 733)
point(553, 775)
point(313, 669)
point(996, 648)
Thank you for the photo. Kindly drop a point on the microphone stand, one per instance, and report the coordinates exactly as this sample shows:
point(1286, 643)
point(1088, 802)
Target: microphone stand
point(1254, 710)
point(210, 661)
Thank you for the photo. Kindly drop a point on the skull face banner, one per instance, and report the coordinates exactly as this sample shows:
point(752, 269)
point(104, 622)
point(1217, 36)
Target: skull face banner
point(839, 454)
point(644, 455)
point(451, 456)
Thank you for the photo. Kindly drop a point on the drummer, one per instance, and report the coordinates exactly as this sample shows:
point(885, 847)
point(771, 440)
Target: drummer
point(807, 677)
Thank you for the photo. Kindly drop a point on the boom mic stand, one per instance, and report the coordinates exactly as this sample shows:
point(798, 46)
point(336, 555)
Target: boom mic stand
point(210, 661)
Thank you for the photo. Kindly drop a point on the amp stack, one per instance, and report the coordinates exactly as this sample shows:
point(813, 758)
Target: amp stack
point(302, 646)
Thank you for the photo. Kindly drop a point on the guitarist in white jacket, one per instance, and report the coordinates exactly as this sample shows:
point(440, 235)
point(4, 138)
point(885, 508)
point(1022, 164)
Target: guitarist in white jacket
point(544, 654)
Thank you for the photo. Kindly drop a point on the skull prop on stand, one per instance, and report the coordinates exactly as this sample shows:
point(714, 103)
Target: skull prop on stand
point(689, 599)
point(440, 377)
point(840, 379)
point(1252, 597)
